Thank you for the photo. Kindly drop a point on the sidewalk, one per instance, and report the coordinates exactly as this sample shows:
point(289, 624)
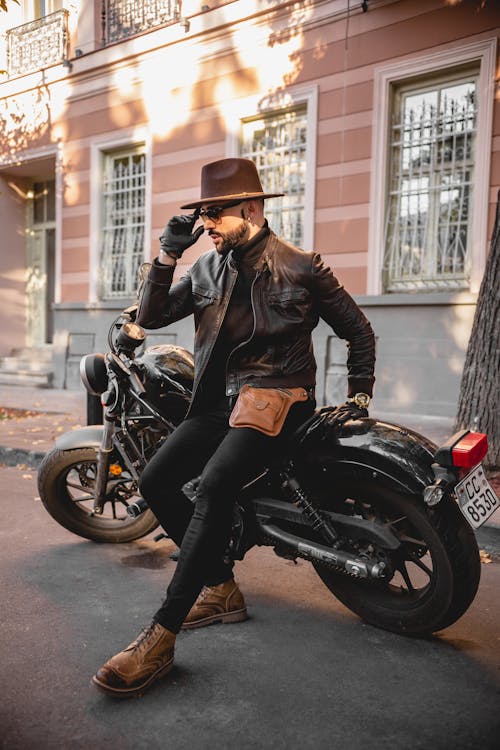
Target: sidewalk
point(26, 439)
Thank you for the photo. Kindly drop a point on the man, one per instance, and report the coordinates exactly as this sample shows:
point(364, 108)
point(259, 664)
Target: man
point(255, 301)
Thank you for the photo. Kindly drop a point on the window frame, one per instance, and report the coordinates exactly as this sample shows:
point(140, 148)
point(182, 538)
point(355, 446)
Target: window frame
point(100, 149)
point(422, 283)
point(35, 9)
point(397, 75)
point(257, 107)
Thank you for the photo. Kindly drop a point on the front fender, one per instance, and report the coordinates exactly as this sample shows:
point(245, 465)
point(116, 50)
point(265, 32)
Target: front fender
point(387, 453)
point(84, 437)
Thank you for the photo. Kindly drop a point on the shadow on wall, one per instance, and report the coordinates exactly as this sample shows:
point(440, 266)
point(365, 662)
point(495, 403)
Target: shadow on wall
point(25, 122)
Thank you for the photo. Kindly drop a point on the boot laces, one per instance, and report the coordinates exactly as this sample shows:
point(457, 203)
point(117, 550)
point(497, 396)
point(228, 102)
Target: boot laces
point(204, 593)
point(143, 637)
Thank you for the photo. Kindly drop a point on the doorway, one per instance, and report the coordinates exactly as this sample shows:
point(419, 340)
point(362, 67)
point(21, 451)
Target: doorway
point(40, 263)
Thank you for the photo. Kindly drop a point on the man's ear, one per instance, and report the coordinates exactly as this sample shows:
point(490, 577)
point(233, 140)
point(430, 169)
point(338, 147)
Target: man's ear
point(251, 208)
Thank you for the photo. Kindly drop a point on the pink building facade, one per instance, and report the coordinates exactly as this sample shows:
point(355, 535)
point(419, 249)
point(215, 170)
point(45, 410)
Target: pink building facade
point(379, 120)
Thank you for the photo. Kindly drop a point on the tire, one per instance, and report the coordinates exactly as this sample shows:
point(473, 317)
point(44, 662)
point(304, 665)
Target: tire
point(65, 486)
point(434, 575)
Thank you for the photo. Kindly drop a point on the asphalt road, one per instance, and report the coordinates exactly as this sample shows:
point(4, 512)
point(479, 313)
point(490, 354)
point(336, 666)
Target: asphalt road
point(302, 672)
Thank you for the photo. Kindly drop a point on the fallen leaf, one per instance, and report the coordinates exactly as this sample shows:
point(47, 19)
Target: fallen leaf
point(27, 476)
point(485, 556)
point(36, 499)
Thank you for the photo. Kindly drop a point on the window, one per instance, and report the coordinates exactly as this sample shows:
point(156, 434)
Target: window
point(431, 174)
point(123, 222)
point(464, 209)
point(44, 7)
point(276, 142)
point(44, 202)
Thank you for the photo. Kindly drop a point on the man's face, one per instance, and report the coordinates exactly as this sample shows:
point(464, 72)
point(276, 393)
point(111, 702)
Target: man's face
point(225, 225)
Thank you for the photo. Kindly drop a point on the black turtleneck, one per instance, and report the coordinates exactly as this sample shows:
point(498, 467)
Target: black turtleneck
point(237, 325)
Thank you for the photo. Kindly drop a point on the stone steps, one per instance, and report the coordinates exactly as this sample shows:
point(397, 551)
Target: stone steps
point(41, 353)
point(27, 366)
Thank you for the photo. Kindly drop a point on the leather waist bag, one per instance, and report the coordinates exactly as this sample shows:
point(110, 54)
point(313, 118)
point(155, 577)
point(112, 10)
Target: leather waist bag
point(265, 409)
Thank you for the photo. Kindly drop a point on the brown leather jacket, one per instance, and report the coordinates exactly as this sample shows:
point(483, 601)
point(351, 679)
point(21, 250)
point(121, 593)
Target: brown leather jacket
point(291, 291)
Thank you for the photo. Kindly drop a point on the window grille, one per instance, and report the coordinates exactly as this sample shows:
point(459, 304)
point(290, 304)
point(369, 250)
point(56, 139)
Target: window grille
point(277, 145)
point(123, 223)
point(428, 221)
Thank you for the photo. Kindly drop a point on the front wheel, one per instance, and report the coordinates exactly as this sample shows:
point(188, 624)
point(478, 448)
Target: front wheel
point(433, 575)
point(66, 480)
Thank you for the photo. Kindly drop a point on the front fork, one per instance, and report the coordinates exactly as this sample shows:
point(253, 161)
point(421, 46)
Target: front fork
point(103, 461)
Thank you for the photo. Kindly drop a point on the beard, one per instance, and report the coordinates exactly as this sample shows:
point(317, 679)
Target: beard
point(231, 239)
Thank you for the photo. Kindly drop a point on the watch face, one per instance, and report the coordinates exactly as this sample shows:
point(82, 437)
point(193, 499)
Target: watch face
point(362, 400)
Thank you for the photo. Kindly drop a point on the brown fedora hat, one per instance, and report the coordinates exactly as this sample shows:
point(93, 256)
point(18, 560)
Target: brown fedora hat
point(228, 180)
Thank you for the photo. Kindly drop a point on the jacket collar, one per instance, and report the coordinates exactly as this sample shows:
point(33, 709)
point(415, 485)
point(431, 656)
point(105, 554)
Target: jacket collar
point(251, 252)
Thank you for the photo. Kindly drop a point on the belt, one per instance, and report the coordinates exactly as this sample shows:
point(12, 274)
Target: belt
point(311, 394)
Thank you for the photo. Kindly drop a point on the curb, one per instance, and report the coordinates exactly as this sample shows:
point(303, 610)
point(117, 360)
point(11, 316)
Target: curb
point(15, 456)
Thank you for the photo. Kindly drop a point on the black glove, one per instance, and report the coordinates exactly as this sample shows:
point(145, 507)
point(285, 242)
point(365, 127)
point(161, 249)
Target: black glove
point(347, 411)
point(178, 235)
point(130, 313)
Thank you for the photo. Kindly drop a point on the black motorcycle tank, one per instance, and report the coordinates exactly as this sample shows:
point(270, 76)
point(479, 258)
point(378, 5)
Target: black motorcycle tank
point(160, 365)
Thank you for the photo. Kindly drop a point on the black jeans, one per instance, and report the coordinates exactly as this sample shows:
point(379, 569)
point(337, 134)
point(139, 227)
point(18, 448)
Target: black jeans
point(226, 458)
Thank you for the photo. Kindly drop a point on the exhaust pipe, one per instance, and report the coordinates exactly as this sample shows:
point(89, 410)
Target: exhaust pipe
point(315, 552)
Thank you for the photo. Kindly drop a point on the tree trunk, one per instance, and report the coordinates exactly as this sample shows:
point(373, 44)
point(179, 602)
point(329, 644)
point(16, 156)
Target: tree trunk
point(478, 406)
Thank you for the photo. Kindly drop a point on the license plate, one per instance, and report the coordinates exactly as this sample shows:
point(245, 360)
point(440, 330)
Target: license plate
point(476, 497)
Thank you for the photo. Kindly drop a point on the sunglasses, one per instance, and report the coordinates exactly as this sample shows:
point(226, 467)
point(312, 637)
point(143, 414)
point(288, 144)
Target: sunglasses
point(213, 212)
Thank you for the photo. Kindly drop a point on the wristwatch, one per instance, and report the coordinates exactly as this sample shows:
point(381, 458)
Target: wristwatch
point(360, 399)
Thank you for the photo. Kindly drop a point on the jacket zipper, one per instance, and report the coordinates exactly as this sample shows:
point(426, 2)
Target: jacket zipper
point(218, 327)
point(247, 341)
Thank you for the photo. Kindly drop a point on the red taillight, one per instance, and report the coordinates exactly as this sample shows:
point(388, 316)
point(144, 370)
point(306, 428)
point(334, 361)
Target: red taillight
point(470, 450)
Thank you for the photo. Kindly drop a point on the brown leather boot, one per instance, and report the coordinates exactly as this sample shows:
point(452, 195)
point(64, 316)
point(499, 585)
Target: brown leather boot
point(135, 668)
point(221, 603)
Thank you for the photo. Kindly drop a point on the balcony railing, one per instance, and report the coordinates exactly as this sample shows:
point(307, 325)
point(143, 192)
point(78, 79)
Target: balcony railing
point(37, 44)
point(121, 19)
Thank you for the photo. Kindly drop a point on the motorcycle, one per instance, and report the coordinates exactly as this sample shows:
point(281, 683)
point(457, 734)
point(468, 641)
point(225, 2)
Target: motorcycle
point(385, 516)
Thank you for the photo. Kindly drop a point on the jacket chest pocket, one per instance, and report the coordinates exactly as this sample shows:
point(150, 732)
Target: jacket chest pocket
point(203, 298)
point(288, 299)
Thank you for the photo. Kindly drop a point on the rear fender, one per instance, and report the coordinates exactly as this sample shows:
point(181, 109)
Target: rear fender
point(84, 437)
point(381, 452)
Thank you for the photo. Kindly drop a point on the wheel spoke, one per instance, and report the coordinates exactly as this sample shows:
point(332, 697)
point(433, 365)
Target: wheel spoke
point(83, 499)
point(418, 562)
point(76, 486)
point(411, 540)
point(404, 572)
point(396, 520)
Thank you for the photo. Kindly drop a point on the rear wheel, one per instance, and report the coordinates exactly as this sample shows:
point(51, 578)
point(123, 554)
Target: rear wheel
point(66, 481)
point(432, 577)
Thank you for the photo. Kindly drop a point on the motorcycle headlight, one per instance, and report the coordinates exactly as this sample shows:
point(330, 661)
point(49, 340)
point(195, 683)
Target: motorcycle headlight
point(131, 336)
point(94, 374)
